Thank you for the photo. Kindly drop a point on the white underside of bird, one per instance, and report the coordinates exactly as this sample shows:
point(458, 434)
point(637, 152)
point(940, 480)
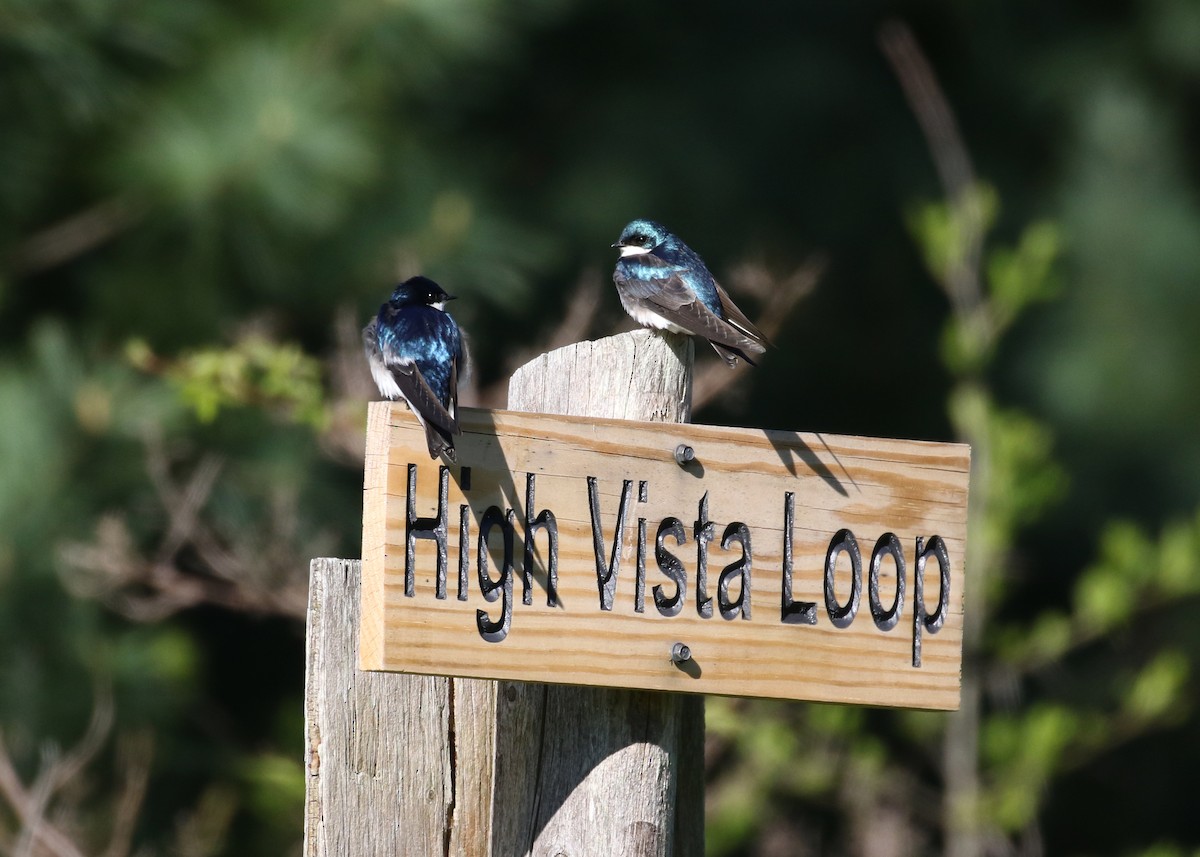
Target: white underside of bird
point(386, 382)
point(649, 318)
point(643, 316)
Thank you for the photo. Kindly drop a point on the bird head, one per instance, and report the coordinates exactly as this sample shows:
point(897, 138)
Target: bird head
point(642, 236)
point(420, 290)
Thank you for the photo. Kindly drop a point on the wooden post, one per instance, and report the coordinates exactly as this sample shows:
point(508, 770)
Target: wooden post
point(617, 771)
point(395, 764)
point(377, 746)
point(415, 765)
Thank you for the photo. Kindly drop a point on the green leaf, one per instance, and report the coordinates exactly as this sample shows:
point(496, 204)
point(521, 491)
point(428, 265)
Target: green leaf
point(1022, 275)
point(945, 232)
point(1159, 688)
point(1104, 598)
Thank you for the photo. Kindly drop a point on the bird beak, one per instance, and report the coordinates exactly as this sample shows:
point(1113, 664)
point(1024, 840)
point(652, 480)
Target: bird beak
point(450, 298)
point(616, 245)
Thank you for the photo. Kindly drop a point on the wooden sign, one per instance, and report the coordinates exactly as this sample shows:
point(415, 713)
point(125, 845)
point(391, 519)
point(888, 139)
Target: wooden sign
point(665, 556)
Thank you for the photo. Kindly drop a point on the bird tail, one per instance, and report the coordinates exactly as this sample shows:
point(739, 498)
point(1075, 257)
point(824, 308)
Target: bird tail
point(730, 354)
point(737, 319)
point(439, 442)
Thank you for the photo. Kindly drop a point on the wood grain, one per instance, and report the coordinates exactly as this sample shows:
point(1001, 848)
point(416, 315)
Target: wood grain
point(638, 375)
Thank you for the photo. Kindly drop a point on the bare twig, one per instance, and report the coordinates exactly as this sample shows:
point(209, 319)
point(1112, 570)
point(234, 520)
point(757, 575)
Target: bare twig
point(183, 506)
point(77, 234)
point(38, 835)
point(70, 765)
point(36, 828)
point(253, 576)
point(203, 831)
point(950, 156)
point(134, 754)
point(780, 298)
point(575, 325)
point(30, 805)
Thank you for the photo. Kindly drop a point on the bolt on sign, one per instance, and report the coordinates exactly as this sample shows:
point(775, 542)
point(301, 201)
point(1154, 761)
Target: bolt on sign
point(669, 557)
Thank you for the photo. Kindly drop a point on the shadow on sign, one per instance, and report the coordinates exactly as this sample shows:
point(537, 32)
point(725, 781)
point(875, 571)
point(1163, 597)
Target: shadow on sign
point(789, 444)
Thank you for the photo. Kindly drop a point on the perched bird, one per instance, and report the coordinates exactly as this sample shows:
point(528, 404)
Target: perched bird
point(416, 350)
point(664, 284)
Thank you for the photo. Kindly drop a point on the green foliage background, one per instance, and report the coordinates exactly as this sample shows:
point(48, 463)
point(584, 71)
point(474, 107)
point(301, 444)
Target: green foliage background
point(201, 201)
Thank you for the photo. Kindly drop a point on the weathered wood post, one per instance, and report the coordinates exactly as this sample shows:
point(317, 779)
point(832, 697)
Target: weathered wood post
point(378, 746)
point(415, 765)
point(617, 771)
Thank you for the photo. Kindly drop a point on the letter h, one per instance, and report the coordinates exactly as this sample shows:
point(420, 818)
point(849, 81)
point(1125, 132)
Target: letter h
point(426, 528)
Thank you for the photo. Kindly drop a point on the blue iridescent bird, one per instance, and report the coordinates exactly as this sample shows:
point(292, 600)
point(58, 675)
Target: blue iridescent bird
point(663, 284)
point(416, 351)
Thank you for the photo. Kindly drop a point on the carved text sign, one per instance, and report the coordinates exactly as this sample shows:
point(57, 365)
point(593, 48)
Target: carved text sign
point(589, 551)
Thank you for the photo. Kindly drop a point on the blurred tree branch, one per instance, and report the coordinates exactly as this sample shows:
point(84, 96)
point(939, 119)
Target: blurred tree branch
point(75, 235)
point(250, 573)
point(951, 159)
point(574, 326)
point(135, 752)
point(778, 298)
point(31, 804)
point(202, 832)
point(962, 282)
point(43, 832)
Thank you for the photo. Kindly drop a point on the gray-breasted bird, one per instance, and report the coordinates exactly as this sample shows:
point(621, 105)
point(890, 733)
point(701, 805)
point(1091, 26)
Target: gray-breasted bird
point(664, 284)
point(416, 350)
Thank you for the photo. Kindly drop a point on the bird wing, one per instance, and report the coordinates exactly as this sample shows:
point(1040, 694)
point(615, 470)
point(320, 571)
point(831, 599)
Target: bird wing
point(421, 397)
point(737, 318)
point(452, 410)
point(668, 295)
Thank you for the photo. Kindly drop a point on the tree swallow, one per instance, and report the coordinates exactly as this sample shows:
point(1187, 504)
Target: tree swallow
point(664, 284)
point(416, 350)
